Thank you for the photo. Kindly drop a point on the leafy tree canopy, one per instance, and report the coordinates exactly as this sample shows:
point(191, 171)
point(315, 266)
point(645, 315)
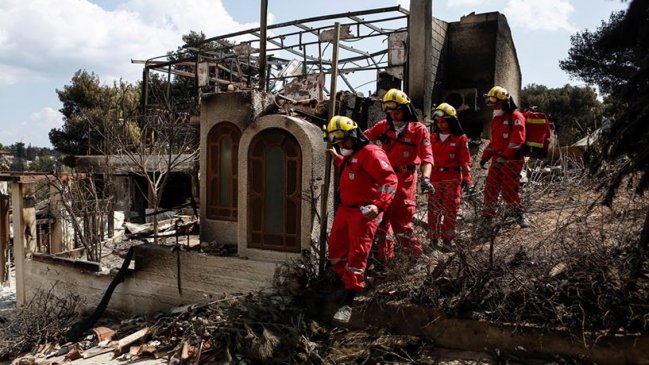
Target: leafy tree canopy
point(88, 106)
point(574, 110)
point(615, 57)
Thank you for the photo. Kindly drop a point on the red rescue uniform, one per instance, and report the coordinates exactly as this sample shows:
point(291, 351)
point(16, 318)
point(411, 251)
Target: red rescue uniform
point(507, 140)
point(452, 168)
point(366, 178)
point(406, 150)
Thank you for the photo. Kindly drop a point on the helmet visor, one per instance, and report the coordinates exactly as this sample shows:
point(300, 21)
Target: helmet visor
point(336, 136)
point(439, 113)
point(491, 100)
point(389, 105)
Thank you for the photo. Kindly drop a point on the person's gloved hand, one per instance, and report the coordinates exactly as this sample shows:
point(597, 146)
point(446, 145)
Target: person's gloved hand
point(483, 162)
point(500, 161)
point(426, 186)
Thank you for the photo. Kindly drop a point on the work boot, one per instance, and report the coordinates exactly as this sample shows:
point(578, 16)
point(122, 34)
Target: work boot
point(344, 312)
point(522, 221)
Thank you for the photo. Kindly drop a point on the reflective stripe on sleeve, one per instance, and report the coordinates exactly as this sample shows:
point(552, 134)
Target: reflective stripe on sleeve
point(387, 189)
point(534, 144)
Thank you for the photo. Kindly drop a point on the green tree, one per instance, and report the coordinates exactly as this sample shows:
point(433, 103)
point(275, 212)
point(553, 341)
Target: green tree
point(574, 110)
point(88, 107)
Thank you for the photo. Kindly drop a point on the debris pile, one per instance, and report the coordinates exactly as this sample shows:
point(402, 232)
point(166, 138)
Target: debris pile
point(571, 270)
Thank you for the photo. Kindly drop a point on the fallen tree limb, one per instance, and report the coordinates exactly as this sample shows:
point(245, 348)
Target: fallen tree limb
point(79, 328)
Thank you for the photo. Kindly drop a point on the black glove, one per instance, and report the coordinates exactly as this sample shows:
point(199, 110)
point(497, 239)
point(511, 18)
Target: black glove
point(500, 161)
point(426, 186)
point(483, 162)
point(464, 185)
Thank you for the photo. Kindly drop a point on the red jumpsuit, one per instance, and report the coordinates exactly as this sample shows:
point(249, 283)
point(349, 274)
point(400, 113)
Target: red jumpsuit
point(452, 167)
point(406, 151)
point(507, 141)
point(366, 178)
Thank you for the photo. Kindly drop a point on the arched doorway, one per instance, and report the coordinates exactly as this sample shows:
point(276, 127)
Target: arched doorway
point(274, 187)
point(222, 167)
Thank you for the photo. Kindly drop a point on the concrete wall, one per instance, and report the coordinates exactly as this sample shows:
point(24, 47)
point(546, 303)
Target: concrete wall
point(480, 53)
point(241, 109)
point(440, 29)
point(153, 285)
point(309, 137)
point(508, 72)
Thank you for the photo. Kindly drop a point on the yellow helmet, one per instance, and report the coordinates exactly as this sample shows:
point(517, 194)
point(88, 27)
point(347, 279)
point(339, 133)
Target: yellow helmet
point(393, 99)
point(339, 128)
point(496, 94)
point(445, 110)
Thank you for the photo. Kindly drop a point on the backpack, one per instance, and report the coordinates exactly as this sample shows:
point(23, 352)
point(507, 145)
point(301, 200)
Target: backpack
point(538, 129)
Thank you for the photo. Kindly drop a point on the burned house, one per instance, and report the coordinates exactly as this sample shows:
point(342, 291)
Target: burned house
point(130, 190)
point(262, 155)
point(260, 102)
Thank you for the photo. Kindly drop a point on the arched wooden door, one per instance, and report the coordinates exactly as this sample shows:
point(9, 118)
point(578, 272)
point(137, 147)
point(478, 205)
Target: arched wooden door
point(274, 187)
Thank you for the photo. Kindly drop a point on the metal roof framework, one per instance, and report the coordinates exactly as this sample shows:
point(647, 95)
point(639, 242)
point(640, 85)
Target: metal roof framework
point(293, 49)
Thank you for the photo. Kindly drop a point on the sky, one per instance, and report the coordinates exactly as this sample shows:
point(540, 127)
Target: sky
point(43, 42)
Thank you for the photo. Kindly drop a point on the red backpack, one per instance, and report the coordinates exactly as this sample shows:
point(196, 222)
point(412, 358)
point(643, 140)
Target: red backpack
point(537, 134)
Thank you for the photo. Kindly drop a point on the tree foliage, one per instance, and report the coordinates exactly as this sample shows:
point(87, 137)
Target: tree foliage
point(598, 63)
point(574, 110)
point(615, 57)
point(88, 107)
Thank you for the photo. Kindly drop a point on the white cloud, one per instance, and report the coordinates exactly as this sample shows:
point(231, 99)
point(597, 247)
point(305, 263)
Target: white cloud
point(461, 3)
point(403, 3)
point(43, 37)
point(10, 75)
point(45, 119)
point(549, 15)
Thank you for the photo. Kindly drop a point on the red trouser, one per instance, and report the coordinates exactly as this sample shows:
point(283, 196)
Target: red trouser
point(443, 204)
point(506, 179)
point(398, 219)
point(350, 242)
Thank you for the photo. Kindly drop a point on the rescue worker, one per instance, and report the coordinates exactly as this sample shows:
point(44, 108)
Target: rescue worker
point(451, 173)
point(505, 150)
point(367, 187)
point(406, 141)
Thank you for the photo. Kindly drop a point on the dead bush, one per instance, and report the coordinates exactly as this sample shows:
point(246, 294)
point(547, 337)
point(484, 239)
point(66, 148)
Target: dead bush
point(43, 319)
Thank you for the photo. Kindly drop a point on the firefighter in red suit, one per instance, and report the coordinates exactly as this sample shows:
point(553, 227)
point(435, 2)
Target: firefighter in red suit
point(451, 173)
point(505, 150)
point(407, 144)
point(367, 187)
